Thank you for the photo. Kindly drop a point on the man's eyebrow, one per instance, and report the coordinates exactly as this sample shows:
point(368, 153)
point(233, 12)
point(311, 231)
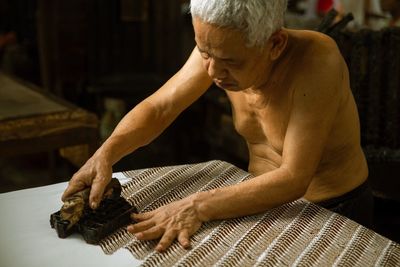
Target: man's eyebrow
point(227, 59)
point(220, 58)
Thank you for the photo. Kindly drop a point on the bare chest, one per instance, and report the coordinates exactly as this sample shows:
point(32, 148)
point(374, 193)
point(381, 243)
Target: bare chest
point(260, 120)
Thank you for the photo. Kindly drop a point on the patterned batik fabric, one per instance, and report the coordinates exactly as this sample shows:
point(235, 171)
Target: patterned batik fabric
point(296, 234)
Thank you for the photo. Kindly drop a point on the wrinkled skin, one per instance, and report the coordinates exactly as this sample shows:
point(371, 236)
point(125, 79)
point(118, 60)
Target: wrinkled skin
point(95, 174)
point(178, 220)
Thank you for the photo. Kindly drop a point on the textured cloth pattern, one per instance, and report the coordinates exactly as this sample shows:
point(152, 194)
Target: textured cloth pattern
point(298, 233)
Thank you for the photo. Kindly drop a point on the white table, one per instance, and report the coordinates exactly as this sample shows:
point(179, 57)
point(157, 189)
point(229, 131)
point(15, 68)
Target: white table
point(26, 238)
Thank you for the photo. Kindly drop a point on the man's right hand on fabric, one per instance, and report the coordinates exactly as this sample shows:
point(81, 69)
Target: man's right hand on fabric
point(96, 173)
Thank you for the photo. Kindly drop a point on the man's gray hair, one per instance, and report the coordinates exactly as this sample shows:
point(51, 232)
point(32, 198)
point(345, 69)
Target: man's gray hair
point(257, 19)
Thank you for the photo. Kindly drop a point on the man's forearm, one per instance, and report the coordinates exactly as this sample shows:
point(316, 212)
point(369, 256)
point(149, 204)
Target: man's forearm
point(249, 197)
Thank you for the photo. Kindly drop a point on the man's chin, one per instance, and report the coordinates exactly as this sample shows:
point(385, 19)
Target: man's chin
point(228, 86)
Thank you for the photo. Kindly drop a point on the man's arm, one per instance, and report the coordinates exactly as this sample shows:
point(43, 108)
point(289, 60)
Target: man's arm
point(142, 125)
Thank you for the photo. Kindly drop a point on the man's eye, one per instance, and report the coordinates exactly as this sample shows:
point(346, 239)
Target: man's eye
point(232, 63)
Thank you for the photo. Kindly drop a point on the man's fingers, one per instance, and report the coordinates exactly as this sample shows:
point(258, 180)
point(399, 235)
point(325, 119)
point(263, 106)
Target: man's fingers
point(152, 233)
point(142, 216)
point(166, 240)
point(73, 187)
point(97, 190)
point(184, 239)
point(141, 226)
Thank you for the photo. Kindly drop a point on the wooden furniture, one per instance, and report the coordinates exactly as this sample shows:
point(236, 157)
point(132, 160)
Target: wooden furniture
point(31, 121)
point(110, 45)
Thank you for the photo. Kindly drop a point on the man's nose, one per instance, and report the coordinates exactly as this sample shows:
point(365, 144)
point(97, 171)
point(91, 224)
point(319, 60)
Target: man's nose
point(216, 70)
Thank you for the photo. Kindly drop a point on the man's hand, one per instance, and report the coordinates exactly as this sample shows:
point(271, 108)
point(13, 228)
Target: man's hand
point(96, 173)
point(177, 220)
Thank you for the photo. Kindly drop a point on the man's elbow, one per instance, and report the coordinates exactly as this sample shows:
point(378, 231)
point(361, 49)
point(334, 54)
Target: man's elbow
point(299, 183)
point(299, 192)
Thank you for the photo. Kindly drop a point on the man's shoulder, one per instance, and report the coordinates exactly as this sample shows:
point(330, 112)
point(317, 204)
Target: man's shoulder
point(319, 51)
point(312, 37)
point(320, 64)
point(315, 44)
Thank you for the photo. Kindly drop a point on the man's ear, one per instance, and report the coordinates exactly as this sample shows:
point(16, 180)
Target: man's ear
point(278, 42)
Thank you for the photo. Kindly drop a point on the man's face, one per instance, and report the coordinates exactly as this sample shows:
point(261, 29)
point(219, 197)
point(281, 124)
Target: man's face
point(228, 61)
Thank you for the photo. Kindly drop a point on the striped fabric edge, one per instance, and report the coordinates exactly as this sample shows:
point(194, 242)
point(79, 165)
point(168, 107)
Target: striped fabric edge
point(327, 242)
point(390, 255)
point(285, 249)
point(251, 244)
point(272, 254)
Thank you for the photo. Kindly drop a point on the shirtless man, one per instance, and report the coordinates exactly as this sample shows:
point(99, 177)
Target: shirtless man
point(291, 102)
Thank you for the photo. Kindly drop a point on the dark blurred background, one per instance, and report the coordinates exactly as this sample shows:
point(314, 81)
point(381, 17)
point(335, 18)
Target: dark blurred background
point(104, 56)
